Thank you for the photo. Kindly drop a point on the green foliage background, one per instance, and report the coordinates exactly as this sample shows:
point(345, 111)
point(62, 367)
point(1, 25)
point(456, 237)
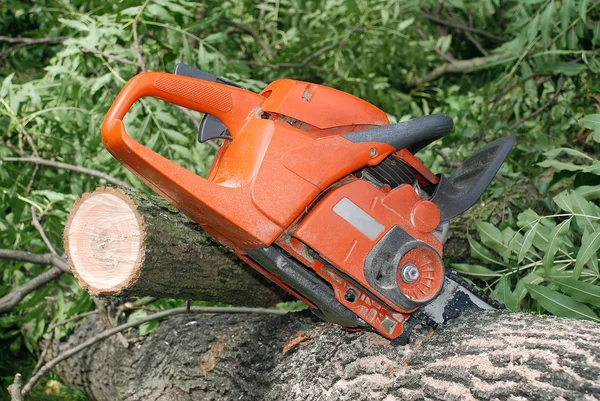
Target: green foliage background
point(532, 72)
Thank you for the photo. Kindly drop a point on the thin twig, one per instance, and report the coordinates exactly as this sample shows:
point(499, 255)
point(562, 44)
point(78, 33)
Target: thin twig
point(32, 41)
point(71, 319)
point(543, 107)
point(110, 332)
point(456, 18)
point(71, 167)
point(111, 57)
point(446, 56)
point(38, 226)
point(442, 21)
point(136, 41)
point(339, 42)
point(282, 65)
point(43, 355)
point(101, 307)
point(24, 42)
point(254, 35)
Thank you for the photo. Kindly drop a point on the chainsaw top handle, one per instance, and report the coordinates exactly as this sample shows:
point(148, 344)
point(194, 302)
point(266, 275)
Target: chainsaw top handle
point(229, 104)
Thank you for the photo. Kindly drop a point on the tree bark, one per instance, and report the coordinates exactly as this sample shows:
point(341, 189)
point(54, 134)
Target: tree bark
point(121, 242)
point(485, 356)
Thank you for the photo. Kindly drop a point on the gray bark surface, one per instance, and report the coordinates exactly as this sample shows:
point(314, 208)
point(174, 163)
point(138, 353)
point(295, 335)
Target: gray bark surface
point(492, 356)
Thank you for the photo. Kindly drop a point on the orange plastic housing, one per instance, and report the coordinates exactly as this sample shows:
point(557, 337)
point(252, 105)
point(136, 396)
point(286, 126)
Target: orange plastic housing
point(264, 178)
point(282, 178)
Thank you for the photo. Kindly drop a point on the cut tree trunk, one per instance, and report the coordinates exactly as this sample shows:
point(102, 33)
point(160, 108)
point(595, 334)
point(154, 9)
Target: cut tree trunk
point(485, 356)
point(121, 242)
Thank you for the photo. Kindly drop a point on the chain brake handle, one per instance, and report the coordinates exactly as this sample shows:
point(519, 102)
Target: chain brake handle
point(231, 105)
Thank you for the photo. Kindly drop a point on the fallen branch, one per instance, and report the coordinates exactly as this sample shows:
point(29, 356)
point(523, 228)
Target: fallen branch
point(110, 332)
point(71, 167)
point(10, 300)
point(456, 67)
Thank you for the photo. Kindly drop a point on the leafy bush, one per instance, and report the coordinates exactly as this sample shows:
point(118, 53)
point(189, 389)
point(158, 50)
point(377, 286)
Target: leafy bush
point(497, 68)
point(550, 261)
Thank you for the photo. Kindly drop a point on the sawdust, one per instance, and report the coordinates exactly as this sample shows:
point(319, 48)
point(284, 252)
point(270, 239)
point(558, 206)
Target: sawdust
point(209, 359)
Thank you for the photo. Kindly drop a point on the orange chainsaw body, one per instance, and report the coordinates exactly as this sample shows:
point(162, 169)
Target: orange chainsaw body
point(288, 179)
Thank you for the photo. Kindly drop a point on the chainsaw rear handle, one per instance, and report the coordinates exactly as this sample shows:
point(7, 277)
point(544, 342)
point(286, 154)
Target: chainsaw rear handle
point(413, 134)
point(229, 104)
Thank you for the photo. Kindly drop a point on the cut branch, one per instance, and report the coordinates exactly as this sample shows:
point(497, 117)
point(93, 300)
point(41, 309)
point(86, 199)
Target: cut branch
point(71, 167)
point(124, 242)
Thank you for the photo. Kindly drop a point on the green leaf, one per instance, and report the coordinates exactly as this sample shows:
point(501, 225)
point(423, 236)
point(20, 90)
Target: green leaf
point(559, 304)
point(100, 82)
point(148, 327)
point(176, 136)
point(528, 241)
point(481, 252)
point(560, 165)
point(505, 295)
point(583, 9)
point(579, 290)
point(565, 14)
point(584, 208)
point(589, 192)
point(590, 243)
point(475, 270)
point(563, 201)
point(554, 242)
point(568, 151)
point(521, 291)
point(567, 68)
point(491, 237)
point(591, 121)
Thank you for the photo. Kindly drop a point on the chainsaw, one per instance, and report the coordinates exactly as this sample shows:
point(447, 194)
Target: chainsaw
point(315, 189)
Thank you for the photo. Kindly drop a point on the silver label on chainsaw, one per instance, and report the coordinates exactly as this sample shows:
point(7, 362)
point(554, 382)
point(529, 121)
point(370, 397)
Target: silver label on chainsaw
point(360, 219)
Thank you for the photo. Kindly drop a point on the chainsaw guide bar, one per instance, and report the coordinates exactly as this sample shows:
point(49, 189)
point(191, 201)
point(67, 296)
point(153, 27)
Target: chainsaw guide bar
point(316, 190)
